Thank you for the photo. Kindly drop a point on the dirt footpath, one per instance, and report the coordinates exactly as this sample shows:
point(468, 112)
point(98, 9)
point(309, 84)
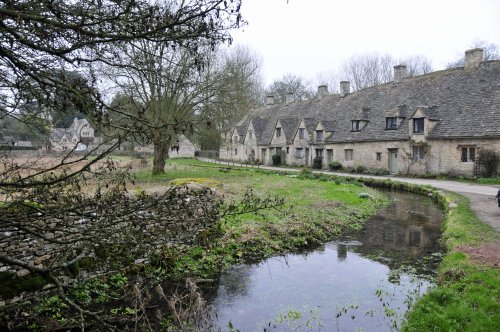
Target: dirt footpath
point(486, 208)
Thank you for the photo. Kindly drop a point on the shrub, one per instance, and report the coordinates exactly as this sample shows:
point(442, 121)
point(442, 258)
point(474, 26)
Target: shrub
point(334, 166)
point(323, 178)
point(487, 163)
point(379, 171)
point(317, 163)
point(360, 169)
point(276, 160)
point(305, 171)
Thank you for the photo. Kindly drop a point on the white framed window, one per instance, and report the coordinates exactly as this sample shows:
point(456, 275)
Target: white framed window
point(299, 153)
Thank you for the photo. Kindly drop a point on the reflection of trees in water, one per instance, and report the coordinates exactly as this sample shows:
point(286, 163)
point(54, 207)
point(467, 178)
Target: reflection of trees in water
point(236, 281)
point(407, 230)
point(341, 252)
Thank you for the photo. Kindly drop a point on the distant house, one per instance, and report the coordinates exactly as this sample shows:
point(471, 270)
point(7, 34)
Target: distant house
point(79, 136)
point(182, 148)
point(433, 123)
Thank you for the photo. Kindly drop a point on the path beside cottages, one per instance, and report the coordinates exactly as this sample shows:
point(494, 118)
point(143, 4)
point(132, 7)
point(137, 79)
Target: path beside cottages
point(482, 197)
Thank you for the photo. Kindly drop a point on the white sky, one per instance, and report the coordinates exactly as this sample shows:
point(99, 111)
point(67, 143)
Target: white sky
point(305, 37)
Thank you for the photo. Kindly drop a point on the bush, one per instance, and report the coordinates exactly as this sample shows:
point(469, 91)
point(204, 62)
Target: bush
point(360, 169)
point(379, 171)
point(276, 160)
point(334, 166)
point(487, 163)
point(305, 171)
point(323, 178)
point(317, 163)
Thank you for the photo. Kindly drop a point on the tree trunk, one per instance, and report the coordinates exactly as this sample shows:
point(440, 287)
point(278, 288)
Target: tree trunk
point(160, 156)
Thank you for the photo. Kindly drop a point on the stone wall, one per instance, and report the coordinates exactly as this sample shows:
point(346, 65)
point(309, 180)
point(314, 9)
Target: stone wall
point(181, 216)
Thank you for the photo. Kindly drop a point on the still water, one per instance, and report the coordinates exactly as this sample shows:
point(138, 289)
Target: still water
point(361, 282)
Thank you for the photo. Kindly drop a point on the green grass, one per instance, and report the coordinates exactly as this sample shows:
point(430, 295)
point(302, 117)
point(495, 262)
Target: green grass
point(315, 211)
point(467, 297)
point(493, 181)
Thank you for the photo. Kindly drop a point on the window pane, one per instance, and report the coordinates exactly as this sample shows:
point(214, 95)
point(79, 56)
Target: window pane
point(418, 125)
point(421, 152)
point(472, 154)
point(319, 135)
point(464, 155)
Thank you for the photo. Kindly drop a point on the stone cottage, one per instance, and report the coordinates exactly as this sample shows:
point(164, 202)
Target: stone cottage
point(433, 123)
point(79, 136)
point(183, 147)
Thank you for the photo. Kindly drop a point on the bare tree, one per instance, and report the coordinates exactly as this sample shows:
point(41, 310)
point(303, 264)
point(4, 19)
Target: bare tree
point(491, 52)
point(370, 69)
point(41, 37)
point(241, 88)
point(290, 83)
point(416, 65)
point(330, 78)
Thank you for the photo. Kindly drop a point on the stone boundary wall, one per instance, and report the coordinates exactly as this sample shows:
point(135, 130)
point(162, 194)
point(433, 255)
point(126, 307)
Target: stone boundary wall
point(182, 216)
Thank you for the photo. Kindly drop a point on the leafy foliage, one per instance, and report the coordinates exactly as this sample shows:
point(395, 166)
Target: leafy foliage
point(317, 163)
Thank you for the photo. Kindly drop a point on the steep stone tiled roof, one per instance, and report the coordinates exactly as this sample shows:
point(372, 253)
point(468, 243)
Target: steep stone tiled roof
point(241, 130)
point(310, 124)
point(328, 125)
point(289, 126)
point(464, 103)
point(259, 125)
point(57, 134)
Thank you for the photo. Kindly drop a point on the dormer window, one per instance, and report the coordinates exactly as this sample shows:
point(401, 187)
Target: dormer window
point(391, 123)
point(278, 132)
point(302, 133)
point(235, 139)
point(356, 125)
point(250, 134)
point(319, 135)
point(418, 126)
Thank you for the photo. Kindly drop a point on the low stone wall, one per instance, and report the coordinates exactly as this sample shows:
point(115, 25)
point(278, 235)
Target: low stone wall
point(143, 225)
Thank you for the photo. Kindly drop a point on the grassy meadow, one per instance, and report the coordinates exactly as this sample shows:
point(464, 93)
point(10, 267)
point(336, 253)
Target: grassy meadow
point(315, 209)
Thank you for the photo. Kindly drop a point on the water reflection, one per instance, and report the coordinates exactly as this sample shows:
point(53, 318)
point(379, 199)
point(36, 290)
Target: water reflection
point(405, 232)
point(344, 285)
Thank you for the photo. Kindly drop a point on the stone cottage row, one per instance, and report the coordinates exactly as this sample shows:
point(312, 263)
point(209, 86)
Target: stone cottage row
point(433, 123)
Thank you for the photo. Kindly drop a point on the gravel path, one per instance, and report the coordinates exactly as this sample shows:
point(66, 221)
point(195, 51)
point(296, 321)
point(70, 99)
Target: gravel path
point(482, 197)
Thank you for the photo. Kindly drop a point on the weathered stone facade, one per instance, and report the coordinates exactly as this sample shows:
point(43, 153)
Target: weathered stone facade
point(433, 123)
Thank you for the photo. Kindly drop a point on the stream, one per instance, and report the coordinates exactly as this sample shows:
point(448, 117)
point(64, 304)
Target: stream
point(364, 281)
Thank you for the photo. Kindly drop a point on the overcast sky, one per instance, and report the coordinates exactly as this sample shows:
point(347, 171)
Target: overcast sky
point(305, 37)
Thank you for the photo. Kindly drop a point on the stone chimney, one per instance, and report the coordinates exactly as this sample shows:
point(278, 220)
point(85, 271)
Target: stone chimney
point(322, 91)
point(400, 72)
point(345, 88)
point(269, 100)
point(473, 58)
point(289, 98)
